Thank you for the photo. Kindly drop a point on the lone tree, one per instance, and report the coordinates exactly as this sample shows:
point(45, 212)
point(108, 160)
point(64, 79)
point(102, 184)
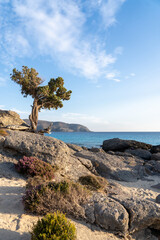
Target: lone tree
point(45, 97)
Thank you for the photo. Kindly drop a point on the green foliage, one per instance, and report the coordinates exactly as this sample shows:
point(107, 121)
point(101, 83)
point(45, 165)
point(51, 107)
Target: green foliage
point(93, 182)
point(33, 166)
point(3, 132)
point(54, 227)
point(42, 197)
point(49, 96)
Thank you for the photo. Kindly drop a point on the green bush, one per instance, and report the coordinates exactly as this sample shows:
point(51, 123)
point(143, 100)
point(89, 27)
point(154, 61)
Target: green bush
point(33, 166)
point(54, 227)
point(44, 197)
point(93, 182)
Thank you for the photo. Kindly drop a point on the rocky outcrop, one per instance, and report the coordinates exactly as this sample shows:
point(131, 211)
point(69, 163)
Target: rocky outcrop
point(121, 168)
point(123, 208)
point(117, 144)
point(12, 120)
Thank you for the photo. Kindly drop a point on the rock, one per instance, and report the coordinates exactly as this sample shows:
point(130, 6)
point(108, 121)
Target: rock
point(2, 140)
point(153, 166)
point(155, 156)
point(142, 153)
point(74, 147)
point(117, 144)
point(50, 150)
point(10, 118)
point(108, 214)
point(157, 186)
point(155, 149)
point(143, 213)
point(121, 168)
point(158, 199)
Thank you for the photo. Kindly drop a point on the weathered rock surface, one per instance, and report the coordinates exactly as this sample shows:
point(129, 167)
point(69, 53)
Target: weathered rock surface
point(50, 150)
point(10, 118)
point(142, 153)
point(122, 168)
point(117, 144)
point(107, 213)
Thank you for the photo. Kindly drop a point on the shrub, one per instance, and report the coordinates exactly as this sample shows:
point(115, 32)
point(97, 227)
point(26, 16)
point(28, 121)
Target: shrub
point(54, 227)
point(65, 196)
point(3, 132)
point(93, 182)
point(32, 166)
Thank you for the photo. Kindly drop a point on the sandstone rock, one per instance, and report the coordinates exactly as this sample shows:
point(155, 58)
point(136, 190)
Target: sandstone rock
point(156, 156)
point(107, 213)
point(74, 147)
point(158, 199)
point(142, 153)
point(2, 140)
point(153, 165)
point(10, 118)
point(122, 168)
point(117, 144)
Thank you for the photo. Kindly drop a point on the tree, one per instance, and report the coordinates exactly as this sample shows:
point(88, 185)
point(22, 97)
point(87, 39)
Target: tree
point(45, 97)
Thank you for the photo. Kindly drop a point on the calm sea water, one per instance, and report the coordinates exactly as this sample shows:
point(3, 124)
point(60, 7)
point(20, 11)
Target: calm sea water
point(95, 139)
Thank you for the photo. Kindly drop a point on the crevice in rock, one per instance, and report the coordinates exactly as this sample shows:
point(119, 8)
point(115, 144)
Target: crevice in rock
point(129, 214)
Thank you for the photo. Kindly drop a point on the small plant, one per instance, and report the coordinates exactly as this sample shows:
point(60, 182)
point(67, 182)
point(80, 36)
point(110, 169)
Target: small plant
point(93, 182)
point(44, 197)
point(54, 227)
point(3, 132)
point(32, 166)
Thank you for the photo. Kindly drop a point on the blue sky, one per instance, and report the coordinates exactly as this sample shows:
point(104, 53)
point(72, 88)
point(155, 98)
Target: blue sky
point(107, 51)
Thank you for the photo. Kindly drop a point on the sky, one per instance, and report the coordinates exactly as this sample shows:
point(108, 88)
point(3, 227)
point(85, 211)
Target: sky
point(107, 52)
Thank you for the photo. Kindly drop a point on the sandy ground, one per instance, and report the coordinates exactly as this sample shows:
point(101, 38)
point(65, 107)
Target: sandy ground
point(16, 225)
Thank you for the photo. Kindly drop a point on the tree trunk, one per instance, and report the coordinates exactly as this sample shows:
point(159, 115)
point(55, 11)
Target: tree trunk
point(34, 116)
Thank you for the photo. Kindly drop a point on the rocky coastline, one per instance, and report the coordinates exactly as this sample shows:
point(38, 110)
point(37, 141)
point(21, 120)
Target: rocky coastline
point(129, 208)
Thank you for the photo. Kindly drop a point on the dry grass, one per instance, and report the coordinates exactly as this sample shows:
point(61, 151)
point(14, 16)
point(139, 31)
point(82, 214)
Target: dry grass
point(48, 197)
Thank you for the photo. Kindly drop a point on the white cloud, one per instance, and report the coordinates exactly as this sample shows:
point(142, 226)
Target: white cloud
point(19, 111)
point(132, 74)
point(2, 107)
point(57, 28)
point(83, 118)
point(109, 9)
point(113, 76)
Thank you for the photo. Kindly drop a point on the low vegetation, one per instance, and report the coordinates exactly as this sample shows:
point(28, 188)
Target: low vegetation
point(42, 197)
point(54, 227)
point(3, 132)
point(32, 166)
point(93, 183)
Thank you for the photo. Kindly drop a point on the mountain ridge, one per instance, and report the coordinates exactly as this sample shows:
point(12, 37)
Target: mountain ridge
point(60, 126)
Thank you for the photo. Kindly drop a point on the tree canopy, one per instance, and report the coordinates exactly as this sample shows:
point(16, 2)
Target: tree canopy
point(49, 96)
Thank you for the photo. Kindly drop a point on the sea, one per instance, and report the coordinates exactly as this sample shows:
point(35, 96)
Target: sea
point(95, 139)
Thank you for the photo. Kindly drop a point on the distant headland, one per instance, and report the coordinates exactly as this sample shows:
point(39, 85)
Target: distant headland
point(60, 126)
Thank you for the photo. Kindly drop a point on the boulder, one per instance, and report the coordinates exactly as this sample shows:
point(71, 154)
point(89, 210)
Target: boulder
point(142, 153)
point(155, 149)
point(107, 213)
point(121, 168)
point(50, 150)
point(143, 213)
point(156, 156)
point(10, 118)
point(117, 144)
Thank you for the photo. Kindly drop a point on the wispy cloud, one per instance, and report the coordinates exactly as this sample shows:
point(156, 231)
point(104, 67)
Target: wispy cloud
point(130, 75)
point(19, 111)
point(58, 29)
point(113, 76)
point(83, 118)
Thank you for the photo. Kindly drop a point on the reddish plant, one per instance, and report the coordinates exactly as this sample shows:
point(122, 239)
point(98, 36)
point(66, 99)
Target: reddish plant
point(33, 166)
